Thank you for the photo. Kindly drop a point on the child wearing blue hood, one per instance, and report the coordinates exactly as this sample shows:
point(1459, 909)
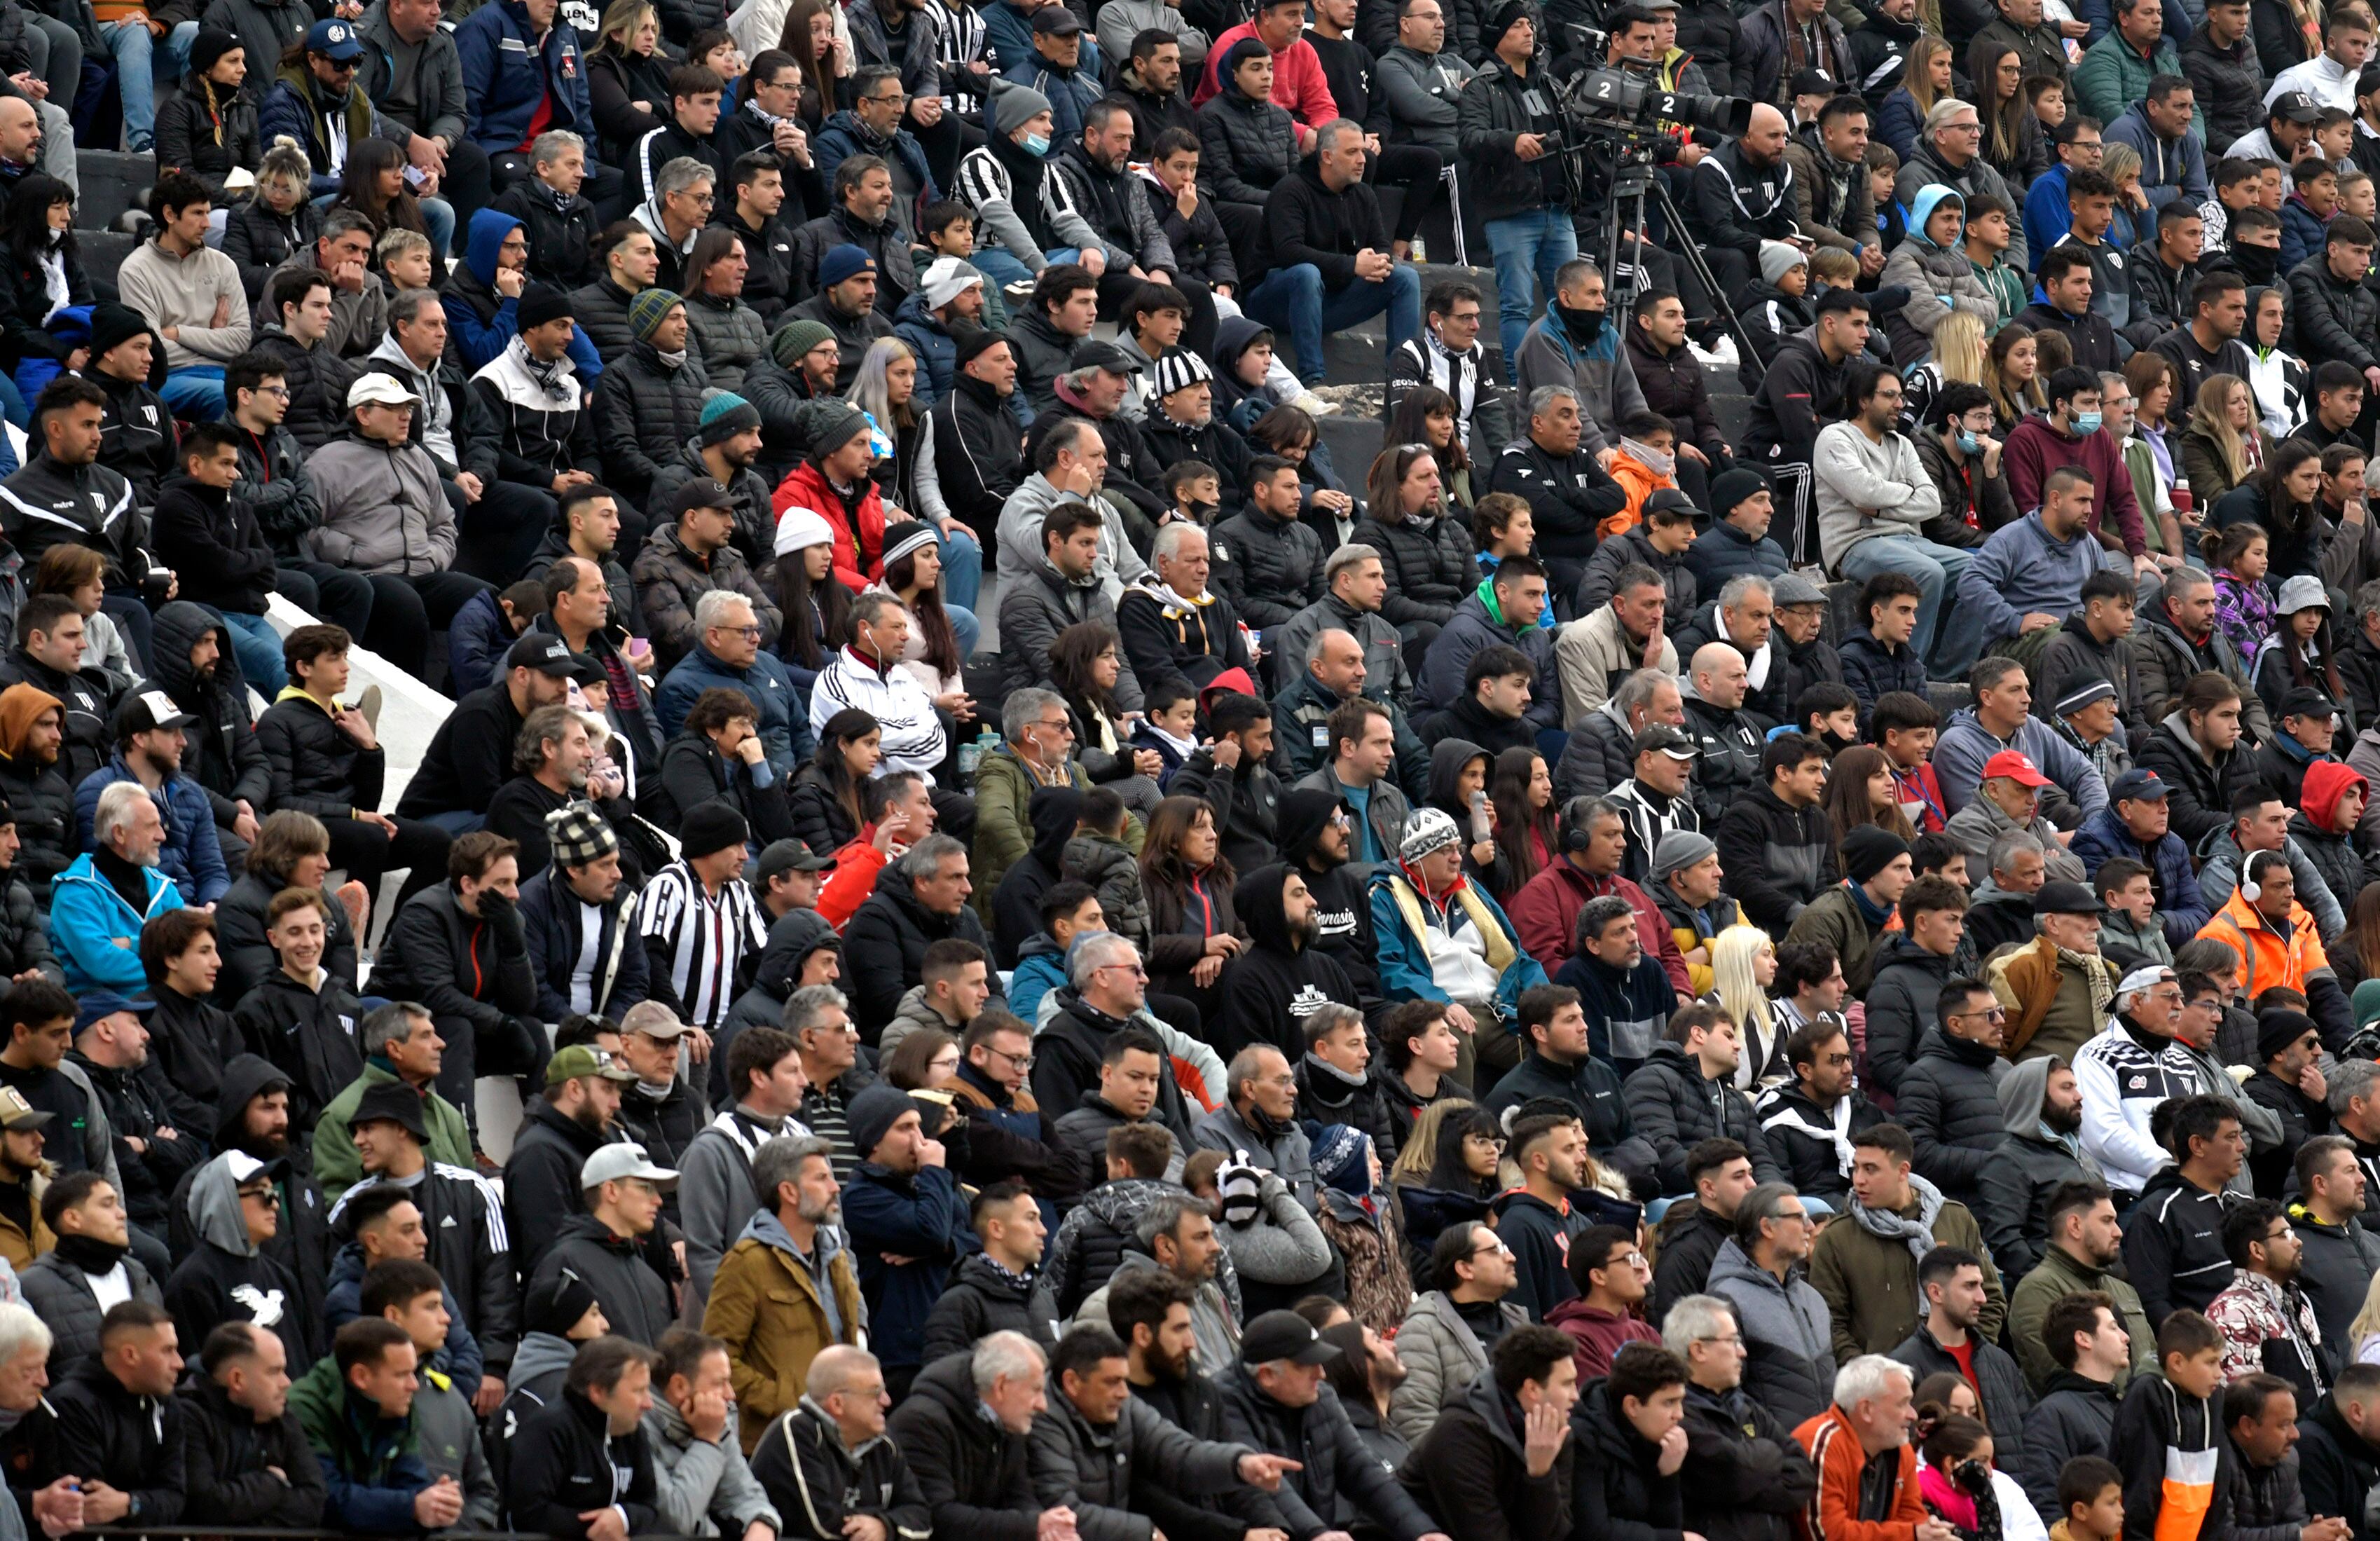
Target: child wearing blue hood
point(1932, 264)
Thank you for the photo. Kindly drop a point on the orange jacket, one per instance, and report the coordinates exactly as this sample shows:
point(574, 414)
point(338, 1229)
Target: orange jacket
point(1640, 482)
point(1834, 1448)
point(2266, 957)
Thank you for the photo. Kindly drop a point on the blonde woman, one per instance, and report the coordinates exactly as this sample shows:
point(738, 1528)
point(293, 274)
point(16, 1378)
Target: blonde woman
point(2134, 219)
point(2363, 1333)
point(281, 221)
point(1743, 964)
point(1925, 80)
point(2224, 444)
point(1956, 353)
point(2012, 376)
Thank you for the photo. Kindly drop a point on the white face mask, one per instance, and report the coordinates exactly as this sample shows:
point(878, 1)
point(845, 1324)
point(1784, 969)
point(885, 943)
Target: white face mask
point(1656, 461)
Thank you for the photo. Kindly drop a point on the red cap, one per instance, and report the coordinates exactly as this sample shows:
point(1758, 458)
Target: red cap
point(2018, 768)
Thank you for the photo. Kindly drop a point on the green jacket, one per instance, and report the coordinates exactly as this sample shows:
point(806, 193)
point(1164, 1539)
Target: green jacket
point(1869, 1283)
point(337, 1167)
point(1005, 785)
point(1834, 919)
point(2057, 1276)
point(2007, 284)
point(371, 1466)
point(2113, 75)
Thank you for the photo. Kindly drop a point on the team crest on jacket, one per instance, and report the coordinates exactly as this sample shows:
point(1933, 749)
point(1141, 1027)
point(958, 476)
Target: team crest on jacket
point(1307, 1001)
point(2136, 1083)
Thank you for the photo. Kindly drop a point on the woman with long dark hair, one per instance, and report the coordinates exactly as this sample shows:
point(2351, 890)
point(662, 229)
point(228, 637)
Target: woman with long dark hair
point(1084, 664)
point(816, 605)
point(1187, 881)
point(729, 333)
point(912, 574)
point(374, 186)
point(43, 275)
point(1528, 832)
point(809, 38)
point(2286, 501)
point(1426, 415)
point(825, 801)
point(1460, 1178)
point(1861, 791)
point(1292, 433)
point(2012, 144)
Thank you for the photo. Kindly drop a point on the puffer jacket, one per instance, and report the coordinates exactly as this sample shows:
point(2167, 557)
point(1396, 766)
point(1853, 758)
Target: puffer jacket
point(1430, 565)
point(601, 311)
point(257, 239)
point(1789, 1365)
point(2230, 84)
point(1997, 1381)
point(2331, 318)
point(671, 581)
point(1939, 280)
point(1901, 1008)
point(644, 412)
point(1267, 568)
point(1948, 1102)
point(1245, 146)
point(1674, 1105)
point(205, 138)
point(318, 381)
point(316, 767)
point(384, 509)
point(728, 335)
point(1489, 119)
point(2199, 792)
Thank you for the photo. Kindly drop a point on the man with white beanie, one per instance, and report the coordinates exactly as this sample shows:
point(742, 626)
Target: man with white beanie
point(949, 296)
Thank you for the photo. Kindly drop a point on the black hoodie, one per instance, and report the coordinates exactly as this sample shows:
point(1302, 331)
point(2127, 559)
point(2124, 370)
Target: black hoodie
point(1279, 981)
point(542, 1178)
point(224, 1454)
point(309, 1033)
point(1016, 903)
point(302, 1244)
point(223, 1277)
point(1343, 903)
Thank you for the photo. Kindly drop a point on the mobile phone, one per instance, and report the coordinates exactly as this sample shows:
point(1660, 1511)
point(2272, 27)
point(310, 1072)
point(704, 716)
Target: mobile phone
point(415, 176)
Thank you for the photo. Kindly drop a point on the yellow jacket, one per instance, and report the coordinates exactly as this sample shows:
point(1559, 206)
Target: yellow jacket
point(766, 1307)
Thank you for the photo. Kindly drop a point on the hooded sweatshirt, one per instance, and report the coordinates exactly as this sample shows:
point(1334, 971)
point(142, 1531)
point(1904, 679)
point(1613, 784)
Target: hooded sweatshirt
point(2032, 1159)
point(226, 1277)
point(2170, 1447)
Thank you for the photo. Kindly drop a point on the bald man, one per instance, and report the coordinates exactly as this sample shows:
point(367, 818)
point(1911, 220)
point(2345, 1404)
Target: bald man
point(1727, 737)
point(1741, 199)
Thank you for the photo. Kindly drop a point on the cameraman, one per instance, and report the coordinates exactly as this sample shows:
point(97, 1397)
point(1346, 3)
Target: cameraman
point(1634, 45)
point(1510, 127)
point(1743, 195)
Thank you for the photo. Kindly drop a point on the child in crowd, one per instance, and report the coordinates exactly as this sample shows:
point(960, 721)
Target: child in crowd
point(1171, 728)
point(1195, 494)
point(947, 229)
point(2243, 601)
point(2168, 1439)
point(2090, 1499)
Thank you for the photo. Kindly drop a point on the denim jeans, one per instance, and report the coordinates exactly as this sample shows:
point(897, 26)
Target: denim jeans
point(257, 648)
point(998, 265)
point(1530, 248)
point(962, 573)
point(1947, 653)
point(196, 392)
point(1294, 299)
point(129, 42)
point(178, 43)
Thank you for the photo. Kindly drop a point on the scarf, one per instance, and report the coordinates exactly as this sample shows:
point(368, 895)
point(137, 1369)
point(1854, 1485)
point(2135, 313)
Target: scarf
point(1264, 1126)
point(670, 360)
point(52, 260)
point(2103, 989)
point(1170, 597)
point(1658, 462)
point(91, 1255)
point(1886, 1225)
point(554, 379)
point(1185, 748)
point(1324, 1068)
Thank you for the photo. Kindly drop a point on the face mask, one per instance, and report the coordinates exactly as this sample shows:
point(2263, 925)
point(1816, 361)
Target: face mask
point(1587, 325)
point(1968, 443)
point(1038, 144)
point(2257, 263)
point(1202, 512)
point(2086, 422)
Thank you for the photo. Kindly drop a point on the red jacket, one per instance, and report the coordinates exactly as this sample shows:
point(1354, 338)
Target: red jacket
point(859, 554)
point(1546, 911)
point(1297, 83)
point(1598, 1334)
point(1833, 1447)
point(2035, 449)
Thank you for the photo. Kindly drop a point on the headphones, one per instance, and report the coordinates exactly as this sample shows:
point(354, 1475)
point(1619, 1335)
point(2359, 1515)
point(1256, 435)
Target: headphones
point(1578, 824)
point(2250, 889)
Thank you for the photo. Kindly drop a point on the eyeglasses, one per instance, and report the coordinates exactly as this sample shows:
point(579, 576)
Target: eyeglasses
point(280, 390)
point(1491, 1247)
point(1022, 1062)
point(750, 633)
point(896, 98)
point(1995, 1013)
point(1136, 970)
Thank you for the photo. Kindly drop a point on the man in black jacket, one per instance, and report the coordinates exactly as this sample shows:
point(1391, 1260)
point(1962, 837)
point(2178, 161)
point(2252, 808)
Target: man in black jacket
point(2260, 1424)
point(244, 1462)
point(1807, 1123)
point(1567, 489)
point(827, 1458)
point(220, 751)
point(2068, 279)
point(1175, 631)
point(116, 1420)
point(136, 428)
point(557, 220)
point(461, 1216)
point(757, 189)
point(608, 1246)
point(577, 1116)
point(1506, 127)
point(49, 656)
point(977, 421)
point(1743, 195)
point(1183, 427)
point(1268, 562)
point(1326, 252)
point(1802, 392)
point(2220, 59)
point(970, 1469)
point(997, 1288)
point(2335, 315)
point(1479, 1459)
point(1947, 1337)
point(2076, 1415)
point(274, 483)
point(147, 1115)
point(460, 948)
point(252, 1118)
point(588, 1452)
point(470, 755)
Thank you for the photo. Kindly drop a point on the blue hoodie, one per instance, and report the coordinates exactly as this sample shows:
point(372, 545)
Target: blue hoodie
point(482, 343)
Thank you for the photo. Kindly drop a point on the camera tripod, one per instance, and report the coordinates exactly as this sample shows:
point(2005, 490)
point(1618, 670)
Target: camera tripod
point(1636, 181)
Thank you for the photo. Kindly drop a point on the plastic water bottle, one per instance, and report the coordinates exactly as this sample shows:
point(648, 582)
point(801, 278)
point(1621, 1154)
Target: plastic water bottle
point(972, 752)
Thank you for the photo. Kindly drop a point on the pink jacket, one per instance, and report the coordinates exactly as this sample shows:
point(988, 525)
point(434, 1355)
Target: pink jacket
point(1297, 83)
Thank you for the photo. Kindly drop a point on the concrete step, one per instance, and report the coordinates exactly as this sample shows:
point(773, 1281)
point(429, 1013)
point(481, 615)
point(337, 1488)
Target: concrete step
point(103, 252)
point(110, 178)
